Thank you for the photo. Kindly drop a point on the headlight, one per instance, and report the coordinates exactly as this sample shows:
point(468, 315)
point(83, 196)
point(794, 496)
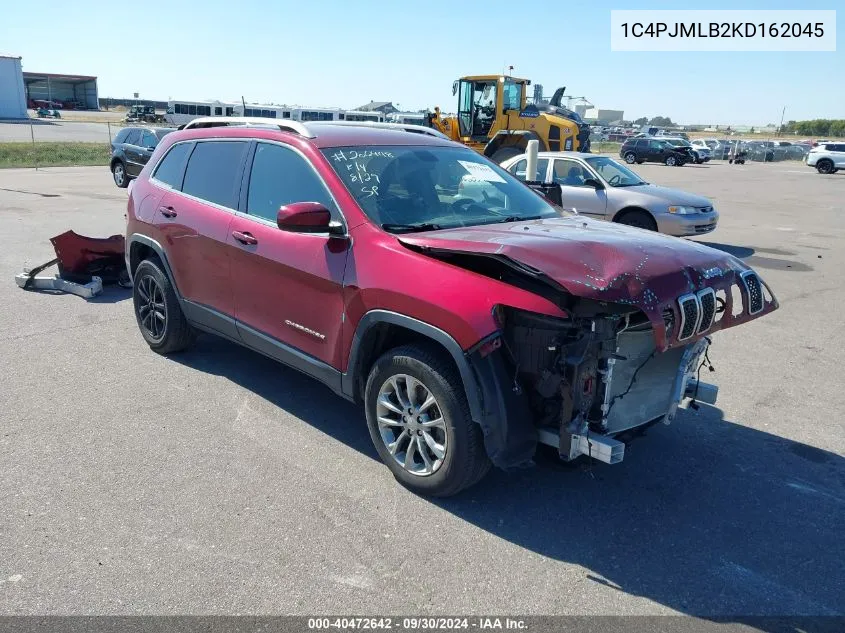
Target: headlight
point(683, 210)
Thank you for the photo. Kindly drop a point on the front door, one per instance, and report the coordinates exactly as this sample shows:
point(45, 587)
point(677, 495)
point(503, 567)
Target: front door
point(288, 286)
point(656, 151)
point(578, 196)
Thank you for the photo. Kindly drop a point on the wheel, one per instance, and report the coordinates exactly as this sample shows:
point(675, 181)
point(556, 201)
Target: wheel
point(670, 161)
point(731, 161)
point(419, 421)
point(505, 153)
point(825, 166)
point(118, 172)
point(639, 219)
point(631, 158)
point(157, 310)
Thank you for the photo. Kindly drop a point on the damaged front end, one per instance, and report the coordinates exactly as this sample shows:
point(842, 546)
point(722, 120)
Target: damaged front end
point(588, 380)
point(640, 309)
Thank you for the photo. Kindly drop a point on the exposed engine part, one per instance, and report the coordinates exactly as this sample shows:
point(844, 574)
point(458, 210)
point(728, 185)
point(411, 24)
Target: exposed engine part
point(589, 379)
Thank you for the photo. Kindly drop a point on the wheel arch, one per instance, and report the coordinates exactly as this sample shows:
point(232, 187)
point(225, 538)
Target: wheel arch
point(631, 209)
point(140, 248)
point(380, 330)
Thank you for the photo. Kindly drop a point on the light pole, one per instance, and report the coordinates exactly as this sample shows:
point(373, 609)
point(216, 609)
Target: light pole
point(780, 129)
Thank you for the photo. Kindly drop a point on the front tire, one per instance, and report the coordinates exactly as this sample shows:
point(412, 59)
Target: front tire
point(160, 318)
point(118, 172)
point(825, 166)
point(671, 161)
point(419, 421)
point(630, 158)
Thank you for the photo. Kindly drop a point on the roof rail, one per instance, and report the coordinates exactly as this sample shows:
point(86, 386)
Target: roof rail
point(250, 121)
point(405, 127)
point(303, 129)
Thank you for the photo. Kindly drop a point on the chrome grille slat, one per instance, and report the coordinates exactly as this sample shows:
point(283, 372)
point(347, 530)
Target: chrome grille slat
point(690, 310)
point(707, 303)
point(753, 290)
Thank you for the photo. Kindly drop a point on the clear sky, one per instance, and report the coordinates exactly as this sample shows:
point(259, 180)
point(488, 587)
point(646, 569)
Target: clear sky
point(346, 53)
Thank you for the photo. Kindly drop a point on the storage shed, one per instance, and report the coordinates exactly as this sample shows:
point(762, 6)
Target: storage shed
point(72, 92)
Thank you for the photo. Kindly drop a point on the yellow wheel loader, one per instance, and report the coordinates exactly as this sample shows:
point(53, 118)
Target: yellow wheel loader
point(495, 119)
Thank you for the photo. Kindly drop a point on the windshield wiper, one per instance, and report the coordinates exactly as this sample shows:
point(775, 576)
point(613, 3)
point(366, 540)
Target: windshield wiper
point(421, 226)
point(631, 184)
point(518, 218)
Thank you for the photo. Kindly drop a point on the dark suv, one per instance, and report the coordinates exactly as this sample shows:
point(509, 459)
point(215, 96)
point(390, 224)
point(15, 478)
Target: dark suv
point(131, 149)
point(470, 317)
point(641, 150)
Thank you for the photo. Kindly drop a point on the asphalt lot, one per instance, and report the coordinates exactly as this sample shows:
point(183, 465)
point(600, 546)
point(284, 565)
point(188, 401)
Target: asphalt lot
point(219, 482)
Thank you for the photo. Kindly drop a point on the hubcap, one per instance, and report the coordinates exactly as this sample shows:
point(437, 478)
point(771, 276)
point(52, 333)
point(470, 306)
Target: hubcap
point(630, 158)
point(118, 174)
point(411, 425)
point(149, 302)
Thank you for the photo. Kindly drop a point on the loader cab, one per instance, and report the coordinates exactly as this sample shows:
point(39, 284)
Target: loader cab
point(482, 100)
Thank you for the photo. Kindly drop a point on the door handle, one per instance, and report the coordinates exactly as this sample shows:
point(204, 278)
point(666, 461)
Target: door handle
point(167, 212)
point(245, 238)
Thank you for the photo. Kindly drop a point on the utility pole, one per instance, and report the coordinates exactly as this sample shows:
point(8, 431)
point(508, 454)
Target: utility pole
point(780, 129)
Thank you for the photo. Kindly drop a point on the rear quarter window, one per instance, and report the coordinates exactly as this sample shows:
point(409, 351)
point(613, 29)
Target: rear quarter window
point(170, 168)
point(121, 136)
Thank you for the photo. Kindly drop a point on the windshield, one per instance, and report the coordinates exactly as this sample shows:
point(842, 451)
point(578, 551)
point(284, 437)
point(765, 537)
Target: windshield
point(424, 188)
point(613, 173)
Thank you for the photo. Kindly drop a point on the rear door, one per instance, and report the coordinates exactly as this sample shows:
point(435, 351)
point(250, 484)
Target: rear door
point(194, 223)
point(655, 151)
point(838, 154)
point(132, 152)
point(572, 175)
point(288, 294)
point(518, 169)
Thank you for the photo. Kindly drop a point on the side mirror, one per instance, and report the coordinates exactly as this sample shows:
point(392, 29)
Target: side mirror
point(150, 149)
point(306, 217)
point(592, 182)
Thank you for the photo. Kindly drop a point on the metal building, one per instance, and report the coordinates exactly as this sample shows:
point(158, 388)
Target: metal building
point(77, 92)
point(12, 92)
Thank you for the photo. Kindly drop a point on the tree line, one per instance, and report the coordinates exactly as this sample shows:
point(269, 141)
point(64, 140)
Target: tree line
point(816, 127)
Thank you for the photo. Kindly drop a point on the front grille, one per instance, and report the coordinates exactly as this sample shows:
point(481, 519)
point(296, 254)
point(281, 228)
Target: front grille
point(707, 301)
point(690, 315)
point(705, 228)
point(754, 291)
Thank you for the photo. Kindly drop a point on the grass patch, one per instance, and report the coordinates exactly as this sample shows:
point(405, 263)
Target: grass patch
point(53, 154)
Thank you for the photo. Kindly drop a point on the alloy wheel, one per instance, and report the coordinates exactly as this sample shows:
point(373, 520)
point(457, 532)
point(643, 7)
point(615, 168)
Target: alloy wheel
point(152, 311)
point(411, 425)
point(119, 174)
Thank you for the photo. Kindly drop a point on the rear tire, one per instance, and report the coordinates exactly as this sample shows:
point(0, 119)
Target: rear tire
point(408, 375)
point(639, 219)
point(825, 166)
point(670, 161)
point(118, 172)
point(631, 158)
point(157, 311)
point(500, 156)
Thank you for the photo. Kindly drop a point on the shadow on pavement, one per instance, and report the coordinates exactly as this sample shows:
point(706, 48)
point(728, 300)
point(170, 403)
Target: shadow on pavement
point(707, 516)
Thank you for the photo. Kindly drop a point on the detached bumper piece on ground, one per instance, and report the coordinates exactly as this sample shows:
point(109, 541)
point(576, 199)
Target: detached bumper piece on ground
point(85, 265)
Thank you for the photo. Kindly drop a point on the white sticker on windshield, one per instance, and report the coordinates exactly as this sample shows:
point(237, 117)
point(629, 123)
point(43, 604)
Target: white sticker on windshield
point(481, 171)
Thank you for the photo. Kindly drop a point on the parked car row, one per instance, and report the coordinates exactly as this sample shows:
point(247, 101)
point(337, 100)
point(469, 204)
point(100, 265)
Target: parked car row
point(469, 316)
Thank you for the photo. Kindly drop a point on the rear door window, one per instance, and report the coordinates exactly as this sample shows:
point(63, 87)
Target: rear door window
point(281, 176)
point(214, 171)
point(133, 137)
point(518, 168)
point(172, 166)
point(122, 135)
point(148, 139)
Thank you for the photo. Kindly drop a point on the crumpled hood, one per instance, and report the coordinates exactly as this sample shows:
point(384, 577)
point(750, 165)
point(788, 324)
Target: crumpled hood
point(603, 261)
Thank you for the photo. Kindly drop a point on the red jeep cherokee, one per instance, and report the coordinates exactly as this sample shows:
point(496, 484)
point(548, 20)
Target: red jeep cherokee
point(472, 321)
